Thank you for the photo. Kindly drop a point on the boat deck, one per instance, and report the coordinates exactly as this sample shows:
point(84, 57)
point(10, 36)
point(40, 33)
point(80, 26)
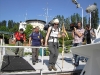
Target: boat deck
point(43, 68)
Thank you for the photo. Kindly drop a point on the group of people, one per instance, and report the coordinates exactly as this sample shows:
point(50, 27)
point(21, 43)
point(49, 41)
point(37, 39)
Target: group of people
point(78, 35)
point(51, 40)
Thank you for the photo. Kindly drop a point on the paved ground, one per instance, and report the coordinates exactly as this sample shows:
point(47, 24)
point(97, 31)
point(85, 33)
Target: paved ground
point(67, 65)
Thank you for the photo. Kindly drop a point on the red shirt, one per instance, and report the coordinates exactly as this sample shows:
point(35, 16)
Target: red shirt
point(20, 36)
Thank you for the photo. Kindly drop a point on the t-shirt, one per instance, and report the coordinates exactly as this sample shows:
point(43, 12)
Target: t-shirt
point(53, 35)
point(36, 39)
point(78, 39)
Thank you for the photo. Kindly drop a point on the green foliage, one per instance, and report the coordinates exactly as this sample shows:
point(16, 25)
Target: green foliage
point(95, 18)
point(66, 39)
point(43, 33)
point(28, 31)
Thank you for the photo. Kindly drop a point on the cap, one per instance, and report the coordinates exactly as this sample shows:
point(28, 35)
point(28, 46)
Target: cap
point(55, 21)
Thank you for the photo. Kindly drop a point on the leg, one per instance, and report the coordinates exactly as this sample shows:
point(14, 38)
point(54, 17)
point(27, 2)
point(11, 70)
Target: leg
point(37, 52)
point(21, 50)
point(52, 53)
point(51, 56)
point(16, 49)
point(55, 56)
point(33, 55)
point(56, 53)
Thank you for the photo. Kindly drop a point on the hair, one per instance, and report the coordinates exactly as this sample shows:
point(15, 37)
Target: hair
point(37, 27)
point(88, 26)
point(79, 22)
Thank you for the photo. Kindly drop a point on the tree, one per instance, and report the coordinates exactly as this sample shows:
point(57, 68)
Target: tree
point(95, 18)
point(73, 18)
point(78, 18)
point(67, 23)
point(28, 30)
point(10, 24)
point(3, 23)
point(84, 21)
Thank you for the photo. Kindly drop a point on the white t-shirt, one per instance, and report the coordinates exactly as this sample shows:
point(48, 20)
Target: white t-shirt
point(53, 35)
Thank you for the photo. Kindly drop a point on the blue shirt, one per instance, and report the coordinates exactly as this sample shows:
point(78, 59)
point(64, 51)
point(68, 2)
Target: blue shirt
point(36, 39)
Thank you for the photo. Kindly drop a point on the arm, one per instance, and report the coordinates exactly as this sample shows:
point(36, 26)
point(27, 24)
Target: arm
point(42, 40)
point(30, 39)
point(46, 39)
point(78, 33)
point(24, 38)
point(73, 34)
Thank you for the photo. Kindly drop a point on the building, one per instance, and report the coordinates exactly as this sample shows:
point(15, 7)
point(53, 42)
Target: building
point(34, 23)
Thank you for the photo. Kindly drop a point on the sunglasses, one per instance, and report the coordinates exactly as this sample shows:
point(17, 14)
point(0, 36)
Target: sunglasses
point(56, 24)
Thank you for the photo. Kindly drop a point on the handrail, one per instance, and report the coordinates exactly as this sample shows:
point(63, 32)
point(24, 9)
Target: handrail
point(28, 47)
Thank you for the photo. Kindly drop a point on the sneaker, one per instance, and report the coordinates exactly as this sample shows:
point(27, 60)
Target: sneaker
point(33, 63)
point(54, 68)
point(36, 61)
point(50, 68)
point(75, 64)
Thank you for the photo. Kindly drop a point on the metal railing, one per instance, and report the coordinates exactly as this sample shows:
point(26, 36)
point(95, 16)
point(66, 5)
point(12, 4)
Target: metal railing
point(2, 51)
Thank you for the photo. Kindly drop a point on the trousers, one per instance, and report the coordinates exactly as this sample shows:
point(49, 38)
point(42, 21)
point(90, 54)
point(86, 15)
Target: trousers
point(53, 48)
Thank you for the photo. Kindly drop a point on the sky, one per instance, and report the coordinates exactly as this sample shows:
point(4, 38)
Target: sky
point(21, 10)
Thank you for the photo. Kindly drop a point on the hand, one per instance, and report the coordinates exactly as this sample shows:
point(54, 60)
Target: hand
point(74, 29)
point(29, 44)
point(63, 35)
point(24, 41)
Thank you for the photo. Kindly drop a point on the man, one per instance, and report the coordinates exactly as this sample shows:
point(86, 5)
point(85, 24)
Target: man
point(77, 35)
point(20, 39)
point(35, 39)
point(52, 36)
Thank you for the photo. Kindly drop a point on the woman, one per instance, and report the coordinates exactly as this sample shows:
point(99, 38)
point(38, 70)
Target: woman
point(88, 34)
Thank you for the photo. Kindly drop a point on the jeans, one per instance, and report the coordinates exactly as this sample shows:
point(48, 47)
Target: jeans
point(76, 57)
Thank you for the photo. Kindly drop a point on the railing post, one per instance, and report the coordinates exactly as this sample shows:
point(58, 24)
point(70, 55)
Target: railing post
point(42, 60)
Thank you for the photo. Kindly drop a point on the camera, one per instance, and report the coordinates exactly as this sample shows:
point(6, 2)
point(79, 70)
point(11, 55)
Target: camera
point(72, 25)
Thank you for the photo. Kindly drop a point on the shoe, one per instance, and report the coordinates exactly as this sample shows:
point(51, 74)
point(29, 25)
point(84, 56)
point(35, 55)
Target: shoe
point(50, 68)
point(75, 64)
point(54, 68)
point(36, 61)
point(15, 53)
point(33, 63)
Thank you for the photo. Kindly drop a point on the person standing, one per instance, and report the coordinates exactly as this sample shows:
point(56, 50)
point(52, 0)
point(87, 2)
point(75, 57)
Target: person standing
point(77, 35)
point(20, 38)
point(89, 34)
point(51, 40)
point(35, 39)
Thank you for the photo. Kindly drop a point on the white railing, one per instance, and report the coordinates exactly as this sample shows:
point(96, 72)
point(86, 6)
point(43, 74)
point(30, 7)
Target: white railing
point(98, 32)
point(2, 48)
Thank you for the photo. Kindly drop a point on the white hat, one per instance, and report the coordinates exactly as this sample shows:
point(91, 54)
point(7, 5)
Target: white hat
point(55, 21)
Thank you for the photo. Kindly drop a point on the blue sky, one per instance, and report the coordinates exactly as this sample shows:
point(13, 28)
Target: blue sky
point(16, 9)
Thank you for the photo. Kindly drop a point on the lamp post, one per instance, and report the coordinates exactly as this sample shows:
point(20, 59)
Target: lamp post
point(89, 9)
point(78, 6)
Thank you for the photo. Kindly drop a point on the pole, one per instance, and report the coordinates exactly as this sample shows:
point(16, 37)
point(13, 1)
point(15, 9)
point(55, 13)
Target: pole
point(90, 20)
point(82, 17)
point(63, 53)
